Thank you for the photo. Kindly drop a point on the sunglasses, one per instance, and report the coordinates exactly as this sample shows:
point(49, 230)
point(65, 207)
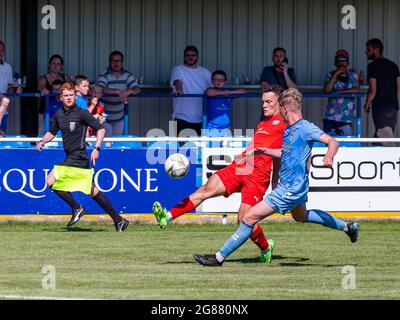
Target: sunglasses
point(190, 55)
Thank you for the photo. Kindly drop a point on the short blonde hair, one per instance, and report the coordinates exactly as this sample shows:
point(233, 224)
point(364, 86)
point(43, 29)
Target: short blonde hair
point(292, 99)
point(97, 86)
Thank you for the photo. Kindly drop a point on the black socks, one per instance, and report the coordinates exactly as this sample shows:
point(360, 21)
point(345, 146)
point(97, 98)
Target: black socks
point(68, 198)
point(107, 206)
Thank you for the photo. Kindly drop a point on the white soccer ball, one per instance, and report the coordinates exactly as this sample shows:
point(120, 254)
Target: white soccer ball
point(177, 165)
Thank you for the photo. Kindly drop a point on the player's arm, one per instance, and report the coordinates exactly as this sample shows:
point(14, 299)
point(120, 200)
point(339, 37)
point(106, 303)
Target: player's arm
point(274, 153)
point(333, 147)
point(275, 172)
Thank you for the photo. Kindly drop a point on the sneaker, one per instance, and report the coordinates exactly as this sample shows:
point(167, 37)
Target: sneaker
point(266, 256)
point(121, 226)
point(353, 231)
point(76, 216)
point(161, 215)
point(207, 260)
point(2, 134)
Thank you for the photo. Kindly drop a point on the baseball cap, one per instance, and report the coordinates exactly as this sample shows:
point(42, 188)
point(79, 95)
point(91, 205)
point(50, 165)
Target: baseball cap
point(342, 55)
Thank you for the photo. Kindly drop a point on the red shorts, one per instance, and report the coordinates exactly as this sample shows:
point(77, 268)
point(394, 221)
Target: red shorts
point(252, 189)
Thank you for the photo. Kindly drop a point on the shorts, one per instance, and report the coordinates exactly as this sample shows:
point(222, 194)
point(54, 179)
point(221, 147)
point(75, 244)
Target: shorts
point(337, 128)
point(252, 190)
point(72, 179)
point(283, 201)
point(384, 117)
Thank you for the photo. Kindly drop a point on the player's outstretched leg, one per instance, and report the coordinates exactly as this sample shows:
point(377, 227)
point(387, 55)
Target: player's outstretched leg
point(253, 216)
point(258, 237)
point(301, 214)
point(213, 188)
point(162, 215)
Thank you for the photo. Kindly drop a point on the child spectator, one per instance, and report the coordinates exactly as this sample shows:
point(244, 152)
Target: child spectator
point(219, 108)
point(95, 108)
point(82, 90)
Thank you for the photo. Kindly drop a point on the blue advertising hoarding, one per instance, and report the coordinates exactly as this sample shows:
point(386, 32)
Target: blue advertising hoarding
point(132, 178)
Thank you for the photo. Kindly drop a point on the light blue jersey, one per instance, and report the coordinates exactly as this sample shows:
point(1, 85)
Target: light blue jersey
point(81, 102)
point(298, 140)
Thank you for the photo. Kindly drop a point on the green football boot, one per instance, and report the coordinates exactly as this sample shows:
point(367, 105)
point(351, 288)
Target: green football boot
point(161, 215)
point(266, 256)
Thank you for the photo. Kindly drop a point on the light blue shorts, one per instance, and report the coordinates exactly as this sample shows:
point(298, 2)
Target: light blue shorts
point(283, 201)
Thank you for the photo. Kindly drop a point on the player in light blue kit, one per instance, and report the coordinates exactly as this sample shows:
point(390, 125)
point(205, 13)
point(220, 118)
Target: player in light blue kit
point(291, 193)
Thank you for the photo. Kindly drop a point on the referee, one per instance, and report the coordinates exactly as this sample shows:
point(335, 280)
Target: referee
point(74, 173)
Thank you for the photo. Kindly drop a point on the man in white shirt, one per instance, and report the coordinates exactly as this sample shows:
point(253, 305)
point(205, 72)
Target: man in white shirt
point(6, 82)
point(189, 78)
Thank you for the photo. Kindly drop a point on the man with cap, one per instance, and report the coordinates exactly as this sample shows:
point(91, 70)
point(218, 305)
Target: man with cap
point(340, 112)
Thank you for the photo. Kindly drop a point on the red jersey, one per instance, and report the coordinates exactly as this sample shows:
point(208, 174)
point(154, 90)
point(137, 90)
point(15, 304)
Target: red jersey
point(99, 109)
point(269, 134)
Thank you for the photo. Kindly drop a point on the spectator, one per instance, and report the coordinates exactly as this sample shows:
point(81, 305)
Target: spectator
point(55, 102)
point(279, 73)
point(82, 89)
point(117, 81)
point(339, 114)
point(6, 85)
point(219, 107)
point(55, 72)
point(4, 103)
point(189, 78)
point(96, 108)
point(384, 91)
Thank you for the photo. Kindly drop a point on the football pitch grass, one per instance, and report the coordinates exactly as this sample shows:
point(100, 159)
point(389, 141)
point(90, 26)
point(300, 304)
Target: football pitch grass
point(92, 261)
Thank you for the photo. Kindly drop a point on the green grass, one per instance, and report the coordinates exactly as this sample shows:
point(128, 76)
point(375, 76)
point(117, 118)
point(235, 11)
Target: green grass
point(94, 262)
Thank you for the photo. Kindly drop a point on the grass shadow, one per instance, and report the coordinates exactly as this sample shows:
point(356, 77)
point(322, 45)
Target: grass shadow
point(77, 229)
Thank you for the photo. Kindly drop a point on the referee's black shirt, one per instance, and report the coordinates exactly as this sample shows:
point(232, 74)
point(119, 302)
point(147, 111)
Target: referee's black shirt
point(73, 124)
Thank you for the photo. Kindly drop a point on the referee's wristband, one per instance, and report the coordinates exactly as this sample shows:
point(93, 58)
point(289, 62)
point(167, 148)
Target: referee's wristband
point(97, 148)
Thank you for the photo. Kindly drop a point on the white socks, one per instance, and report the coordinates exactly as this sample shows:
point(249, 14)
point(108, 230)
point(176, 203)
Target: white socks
point(219, 257)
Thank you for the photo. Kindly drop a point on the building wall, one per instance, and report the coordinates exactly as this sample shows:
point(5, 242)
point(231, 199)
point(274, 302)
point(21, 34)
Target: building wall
point(235, 35)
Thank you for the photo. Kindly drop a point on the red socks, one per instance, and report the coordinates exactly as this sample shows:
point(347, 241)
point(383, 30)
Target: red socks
point(186, 205)
point(259, 239)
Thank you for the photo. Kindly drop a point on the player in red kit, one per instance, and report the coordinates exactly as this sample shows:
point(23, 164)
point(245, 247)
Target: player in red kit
point(250, 174)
